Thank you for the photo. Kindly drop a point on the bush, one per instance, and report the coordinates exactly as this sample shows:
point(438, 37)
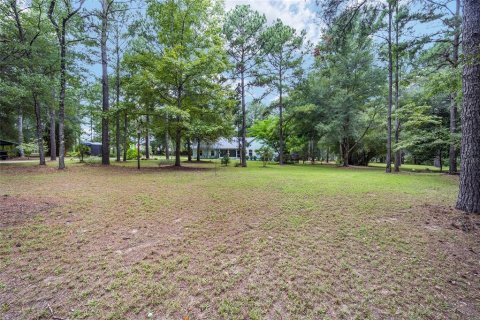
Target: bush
point(28, 148)
point(226, 159)
point(82, 150)
point(132, 154)
point(266, 154)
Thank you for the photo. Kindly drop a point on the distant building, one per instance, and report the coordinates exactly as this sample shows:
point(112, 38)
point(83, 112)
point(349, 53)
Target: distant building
point(95, 148)
point(5, 147)
point(223, 146)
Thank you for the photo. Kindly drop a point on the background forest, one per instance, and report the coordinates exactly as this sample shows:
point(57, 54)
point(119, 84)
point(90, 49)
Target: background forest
point(382, 82)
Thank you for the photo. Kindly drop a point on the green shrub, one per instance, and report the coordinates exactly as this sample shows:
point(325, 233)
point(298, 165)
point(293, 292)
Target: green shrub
point(132, 154)
point(82, 150)
point(226, 159)
point(266, 154)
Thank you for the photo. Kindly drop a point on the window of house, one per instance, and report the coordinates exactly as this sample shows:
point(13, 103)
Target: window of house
point(212, 153)
point(250, 153)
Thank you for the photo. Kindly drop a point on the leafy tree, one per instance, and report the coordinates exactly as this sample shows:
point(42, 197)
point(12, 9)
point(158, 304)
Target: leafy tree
point(352, 85)
point(61, 16)
point(243, 28)
point(284, 56)
point(266, 154)
point(183, 75)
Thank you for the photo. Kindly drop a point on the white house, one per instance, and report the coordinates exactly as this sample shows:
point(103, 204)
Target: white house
point(219, 148)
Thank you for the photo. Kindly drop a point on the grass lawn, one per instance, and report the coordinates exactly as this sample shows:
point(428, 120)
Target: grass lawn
point(291, 242)
point(411, 167)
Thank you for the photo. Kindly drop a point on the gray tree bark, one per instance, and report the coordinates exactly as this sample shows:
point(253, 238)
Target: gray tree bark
point(243, 152)
point(398, 153)
point(53, 138)
point(390, 92)
point(469, 194)
point(453, 97)
point(147, 138)
point(117, 87)
point(105, 87)
point(20, 133)
point(39, 129)
point(198, 150)
point(125, 135)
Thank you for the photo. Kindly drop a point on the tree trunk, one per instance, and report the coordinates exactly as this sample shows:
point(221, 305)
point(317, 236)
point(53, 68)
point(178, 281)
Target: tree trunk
point(39, 129)
point(243, 152)
point(61, 108)
point(453, 129)
point(398, 153)
point(178, 141)
point(453, 97)
point(390, 93)
point(328, 151)
point(280, 121)
point(105, 88)
point(167, 138)
point(469, 195)
point(198, 149)
point(117, 87)
point(125, 136)
point(189, 150)
point(345, 151)
point(440, 160)
point(53, 138)
point(147, 139)
point(20, 134)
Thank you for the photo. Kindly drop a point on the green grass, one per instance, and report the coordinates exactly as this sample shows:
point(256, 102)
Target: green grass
point(411, 167)
point(214, 242)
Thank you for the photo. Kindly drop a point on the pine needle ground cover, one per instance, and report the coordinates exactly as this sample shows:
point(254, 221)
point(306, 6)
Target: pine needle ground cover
point(211, 242)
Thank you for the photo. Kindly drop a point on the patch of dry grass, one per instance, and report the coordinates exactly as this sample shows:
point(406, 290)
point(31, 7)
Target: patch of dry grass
point(293, 242)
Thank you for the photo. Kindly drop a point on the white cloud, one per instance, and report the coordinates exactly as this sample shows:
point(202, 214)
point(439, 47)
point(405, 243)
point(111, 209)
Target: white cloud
point(298, 14)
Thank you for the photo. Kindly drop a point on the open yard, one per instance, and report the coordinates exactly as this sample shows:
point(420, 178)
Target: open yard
point(291, 242)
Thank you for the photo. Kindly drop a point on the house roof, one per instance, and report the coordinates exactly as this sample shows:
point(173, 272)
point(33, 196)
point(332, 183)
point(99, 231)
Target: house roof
point(88, 143)
point(232, 143)
point(7, 143)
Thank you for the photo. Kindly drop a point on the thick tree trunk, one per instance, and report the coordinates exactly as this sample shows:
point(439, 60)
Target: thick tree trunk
point(105, 88)
point(20, 133)
point(39, 129)
point(243, 152)
point(189, 150)
point(390, 93)
point(453, 97)
point(398, 153)
point(198, 149)
point(345, 147)
point(53, 138)
point(469, 195)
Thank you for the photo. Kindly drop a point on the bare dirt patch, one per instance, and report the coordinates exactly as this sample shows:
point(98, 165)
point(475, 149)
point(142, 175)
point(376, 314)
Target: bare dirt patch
point(18, 210)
